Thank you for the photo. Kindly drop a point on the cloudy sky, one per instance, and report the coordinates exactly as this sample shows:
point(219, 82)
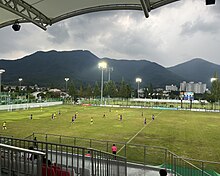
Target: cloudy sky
point(172, 34)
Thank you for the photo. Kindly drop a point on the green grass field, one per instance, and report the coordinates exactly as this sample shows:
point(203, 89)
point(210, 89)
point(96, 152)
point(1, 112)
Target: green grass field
point(189, 134)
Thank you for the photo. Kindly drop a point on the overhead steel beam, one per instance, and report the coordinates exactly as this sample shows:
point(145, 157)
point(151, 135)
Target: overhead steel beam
point(146, 7)
point(11, 22)
point(27, 12)
point(161, 3)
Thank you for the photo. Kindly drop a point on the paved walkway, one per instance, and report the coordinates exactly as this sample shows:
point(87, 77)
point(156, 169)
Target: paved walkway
point(141, 172)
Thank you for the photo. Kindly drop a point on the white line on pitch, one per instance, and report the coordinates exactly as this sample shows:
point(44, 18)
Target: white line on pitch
point(138, 132)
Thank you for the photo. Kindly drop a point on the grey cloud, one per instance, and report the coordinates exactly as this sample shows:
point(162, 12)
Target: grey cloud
point(128, 34)
point(216, 7)
point(12, 41)
point(58, 33)
point(199, 25)
point(104, 29)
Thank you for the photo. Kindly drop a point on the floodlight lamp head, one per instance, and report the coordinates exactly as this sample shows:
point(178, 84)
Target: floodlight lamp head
point(213, 79)
point(20, 79)
point(139, 80)
point(16, 26)
point(102, 65)
point(66, 79)
point(2, 71)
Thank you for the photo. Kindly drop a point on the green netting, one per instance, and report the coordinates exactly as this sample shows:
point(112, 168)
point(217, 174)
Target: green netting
point(186, 171)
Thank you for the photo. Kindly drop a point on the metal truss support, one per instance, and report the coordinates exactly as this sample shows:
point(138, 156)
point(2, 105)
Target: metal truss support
point(27, 12)
point(161, 3)
point(146, 7)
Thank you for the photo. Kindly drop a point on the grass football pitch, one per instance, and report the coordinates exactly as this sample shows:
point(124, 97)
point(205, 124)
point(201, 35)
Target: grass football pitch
point(188, 134)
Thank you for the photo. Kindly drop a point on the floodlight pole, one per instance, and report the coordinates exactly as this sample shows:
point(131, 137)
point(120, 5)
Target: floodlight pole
point(102, 66)
point(1, 71)
point(138, 81)
point(20, 79)
point(66, 79)
point(109, 73)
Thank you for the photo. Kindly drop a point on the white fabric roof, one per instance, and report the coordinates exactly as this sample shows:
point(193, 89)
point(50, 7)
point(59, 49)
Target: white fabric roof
point(47, 12)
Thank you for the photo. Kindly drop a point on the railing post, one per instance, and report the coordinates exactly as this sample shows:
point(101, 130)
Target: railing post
point(92, 162)
point(174, 165)
point(202, 168)
point(107, 147)
point(17, 162)
point(107, 166)
point(46, 137)
point(125, 149)
point(10, 159)
point(165, 159)
point(39, 165)
point(0, 163)
point(74, 142)
point(125, 166)
point(118, 173)
point(145, 155)
point(83, 162)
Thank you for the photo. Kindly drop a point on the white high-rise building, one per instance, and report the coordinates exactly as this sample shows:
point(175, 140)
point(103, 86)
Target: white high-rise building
point(193, 87)
point(190, 87)
point(183, 86)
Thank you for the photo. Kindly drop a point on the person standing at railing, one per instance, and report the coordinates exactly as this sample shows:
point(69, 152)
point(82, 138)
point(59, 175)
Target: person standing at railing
point(114, 150)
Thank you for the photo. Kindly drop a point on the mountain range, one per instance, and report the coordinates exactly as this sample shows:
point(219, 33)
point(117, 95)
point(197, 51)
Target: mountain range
point(81, 66)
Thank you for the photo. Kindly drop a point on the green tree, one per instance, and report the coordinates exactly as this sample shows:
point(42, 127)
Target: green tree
point(72, 90)
point(112, 89)
point(97, 90)
point(81, 91)
point(89, 91)
point(215, 89)
point(124, 90)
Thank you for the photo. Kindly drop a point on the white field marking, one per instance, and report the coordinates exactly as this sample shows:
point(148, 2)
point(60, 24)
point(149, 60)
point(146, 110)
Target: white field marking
point(139, 132)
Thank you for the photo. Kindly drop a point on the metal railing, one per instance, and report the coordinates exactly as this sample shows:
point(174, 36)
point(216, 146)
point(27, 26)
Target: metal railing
point(141, 154)
point(19, 161)
point(72, 160)
point(179, 166)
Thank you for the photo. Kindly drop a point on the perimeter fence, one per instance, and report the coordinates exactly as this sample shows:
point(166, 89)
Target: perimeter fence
point(141, 154)
point(58, 158)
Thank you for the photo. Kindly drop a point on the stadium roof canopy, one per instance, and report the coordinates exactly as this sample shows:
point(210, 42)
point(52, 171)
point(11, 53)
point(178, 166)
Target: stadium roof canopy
point(47, 12)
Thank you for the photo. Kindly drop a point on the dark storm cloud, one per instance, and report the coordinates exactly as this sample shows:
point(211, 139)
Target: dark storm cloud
point(114, 32)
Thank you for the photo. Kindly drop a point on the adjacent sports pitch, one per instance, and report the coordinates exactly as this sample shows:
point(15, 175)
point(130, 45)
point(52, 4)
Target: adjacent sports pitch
point(189, 134)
